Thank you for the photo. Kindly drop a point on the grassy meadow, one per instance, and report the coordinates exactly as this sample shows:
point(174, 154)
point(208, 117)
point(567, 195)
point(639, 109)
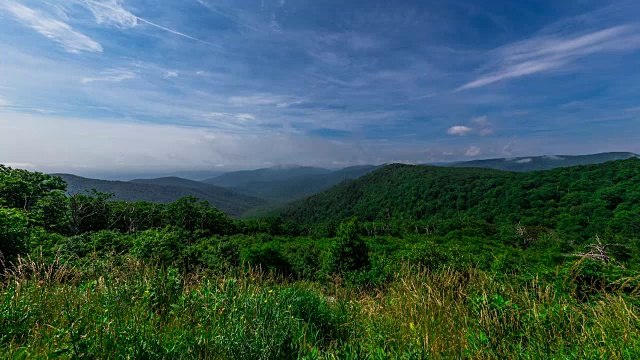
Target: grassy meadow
point(128, 309)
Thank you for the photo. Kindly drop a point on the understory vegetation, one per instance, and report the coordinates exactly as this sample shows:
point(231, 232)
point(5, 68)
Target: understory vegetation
point(85, 277)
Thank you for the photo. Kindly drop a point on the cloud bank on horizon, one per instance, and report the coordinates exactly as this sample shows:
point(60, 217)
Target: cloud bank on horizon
point(117, 85)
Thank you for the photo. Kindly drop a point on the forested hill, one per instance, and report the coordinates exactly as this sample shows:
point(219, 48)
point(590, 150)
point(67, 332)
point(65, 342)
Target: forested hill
point(165, 190)
point(535, 163)
point(285, 184)
point(179, 182)
point(278, 173)
point(583, 200)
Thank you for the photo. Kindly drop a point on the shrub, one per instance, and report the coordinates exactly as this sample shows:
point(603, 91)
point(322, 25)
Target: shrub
point(348, 252)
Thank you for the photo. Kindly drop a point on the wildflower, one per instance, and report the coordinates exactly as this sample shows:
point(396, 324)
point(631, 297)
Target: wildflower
point(412, 326)
point(270, 290)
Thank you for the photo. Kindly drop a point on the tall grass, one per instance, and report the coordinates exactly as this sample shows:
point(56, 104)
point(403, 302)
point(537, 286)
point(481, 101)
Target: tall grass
point(134, 310)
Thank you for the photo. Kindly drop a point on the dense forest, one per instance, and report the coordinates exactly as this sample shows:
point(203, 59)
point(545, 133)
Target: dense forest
point(406, 262)
point(578, 202)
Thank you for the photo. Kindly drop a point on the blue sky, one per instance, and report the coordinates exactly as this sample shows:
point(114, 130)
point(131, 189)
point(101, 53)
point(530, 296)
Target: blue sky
point(124, 85)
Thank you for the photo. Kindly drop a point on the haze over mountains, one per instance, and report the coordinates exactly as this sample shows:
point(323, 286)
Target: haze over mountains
point(287, 183)
point(547, 162)
point(240, 191)
point(165, 190)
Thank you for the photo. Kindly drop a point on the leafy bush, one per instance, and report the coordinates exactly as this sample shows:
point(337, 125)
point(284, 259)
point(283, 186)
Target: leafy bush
point(348, 252)
point(14, 231)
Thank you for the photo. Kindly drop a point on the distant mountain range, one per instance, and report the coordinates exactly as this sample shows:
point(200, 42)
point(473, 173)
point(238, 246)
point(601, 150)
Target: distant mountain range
point(196, 175)
point(165, 190)
point(285, 183)
point(547, 162)
point(241, 179)
point(255, 192)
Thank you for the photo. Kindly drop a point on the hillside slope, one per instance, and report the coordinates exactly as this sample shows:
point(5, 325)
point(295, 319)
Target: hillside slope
point(165, 190)
point(179, 182)
point(289, 184)
point(301, 186)
point(240, 179)
point(592, 198)
point(535, 163)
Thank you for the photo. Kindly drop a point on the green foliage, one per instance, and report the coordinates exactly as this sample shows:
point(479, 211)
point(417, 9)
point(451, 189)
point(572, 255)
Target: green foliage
point(165, 191)
point(452, 263)
point(22, 189)
point(138, 310)
point(14, 231)
point(164, 246)
point(348, 252)
point(578, 202)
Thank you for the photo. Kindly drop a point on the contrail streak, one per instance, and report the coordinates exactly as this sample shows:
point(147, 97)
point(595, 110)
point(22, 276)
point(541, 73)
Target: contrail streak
point(156, 25)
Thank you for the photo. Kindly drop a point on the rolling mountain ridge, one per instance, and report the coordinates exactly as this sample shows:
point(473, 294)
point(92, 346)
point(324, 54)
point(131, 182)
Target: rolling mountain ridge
point(165, 190)
point(555, 199)
point(546, 162)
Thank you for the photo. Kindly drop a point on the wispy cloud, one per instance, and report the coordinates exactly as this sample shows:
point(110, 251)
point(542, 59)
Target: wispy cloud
point(287, 104)
point(545, 53)
point(236, 19)
point(111, 75)
point(263, 99)
point(4, 102)
point(459, 130)
point(478, 125)
point(118, 9)
point(233, 122)
point(472, 151)
point(56, 30)
point(112, 14)
point(170, 74)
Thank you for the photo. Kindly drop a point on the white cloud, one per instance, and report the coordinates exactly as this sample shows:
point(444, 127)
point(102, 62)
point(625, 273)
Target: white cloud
point(289, 103)
point(478, 125)
point(111, 75)
point(228, 120)
point(245, 117)
point(55, 30)
point(170, 74)
point(4, 102)
point(472, 151)
point(264, 99)
point(545, 53)
point(111, 12)
point(459, 130)
point(524, 161)
point(480, 121)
